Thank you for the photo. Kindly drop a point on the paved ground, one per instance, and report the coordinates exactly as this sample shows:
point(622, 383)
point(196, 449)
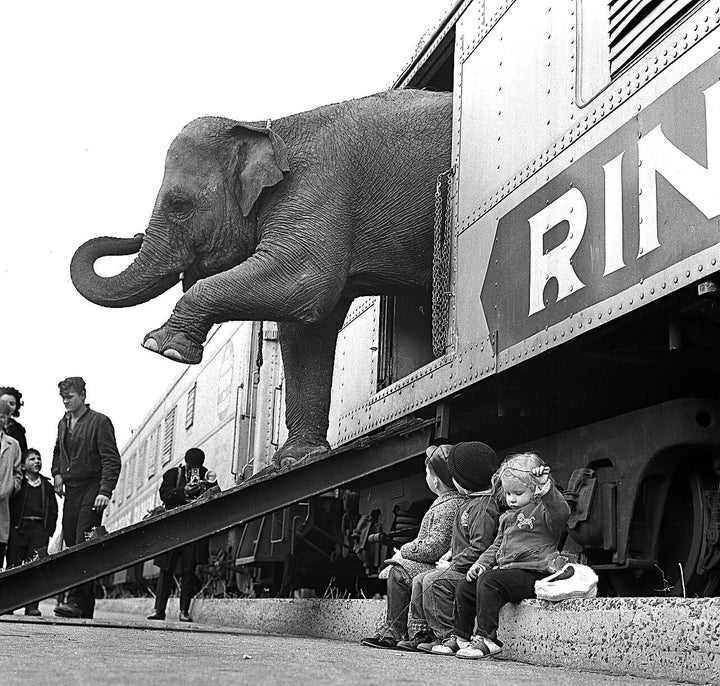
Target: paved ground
point(117, 649)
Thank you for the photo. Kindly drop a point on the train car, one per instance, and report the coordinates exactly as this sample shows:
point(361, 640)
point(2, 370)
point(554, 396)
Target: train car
point(575, 301)
point(231, 407)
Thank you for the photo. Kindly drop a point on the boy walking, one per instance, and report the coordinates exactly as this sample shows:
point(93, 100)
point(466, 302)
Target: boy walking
point(33, 515)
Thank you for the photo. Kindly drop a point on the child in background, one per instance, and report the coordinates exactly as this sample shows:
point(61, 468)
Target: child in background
point(522, 553)
point(33, 515)
point(471, 466)
point(10, 475)
point(419, 555)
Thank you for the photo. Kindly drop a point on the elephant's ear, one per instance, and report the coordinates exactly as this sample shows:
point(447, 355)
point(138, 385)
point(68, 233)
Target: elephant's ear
point(263, 161)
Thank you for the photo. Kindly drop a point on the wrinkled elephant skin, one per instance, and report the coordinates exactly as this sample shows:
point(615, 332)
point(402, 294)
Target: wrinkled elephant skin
point(287, 224)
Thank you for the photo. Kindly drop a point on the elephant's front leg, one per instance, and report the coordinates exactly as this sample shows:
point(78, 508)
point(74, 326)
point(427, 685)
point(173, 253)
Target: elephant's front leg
point(308, 352)
point(261, 288)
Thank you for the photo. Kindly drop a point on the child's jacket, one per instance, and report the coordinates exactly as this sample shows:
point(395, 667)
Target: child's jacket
point(433, 539)
point(49, 505)
point(476, 525)
point(527, 536)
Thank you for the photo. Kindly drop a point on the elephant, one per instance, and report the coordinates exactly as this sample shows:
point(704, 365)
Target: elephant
point(286, 221)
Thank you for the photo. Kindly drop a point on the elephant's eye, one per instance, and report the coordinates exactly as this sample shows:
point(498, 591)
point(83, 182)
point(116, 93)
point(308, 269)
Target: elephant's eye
point(180, 207)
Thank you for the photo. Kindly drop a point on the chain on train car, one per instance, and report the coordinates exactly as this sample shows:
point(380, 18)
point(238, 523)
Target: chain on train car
point(575, 310)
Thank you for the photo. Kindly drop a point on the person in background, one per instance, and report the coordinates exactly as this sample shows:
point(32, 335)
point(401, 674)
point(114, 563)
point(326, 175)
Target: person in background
point(10, 475)
point(14, 428)
point(179, 486)
point(85, 469)
point(33, 515)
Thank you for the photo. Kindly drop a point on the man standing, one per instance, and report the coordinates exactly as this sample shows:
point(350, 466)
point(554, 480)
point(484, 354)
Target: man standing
point(181, 485)
point(85, 469)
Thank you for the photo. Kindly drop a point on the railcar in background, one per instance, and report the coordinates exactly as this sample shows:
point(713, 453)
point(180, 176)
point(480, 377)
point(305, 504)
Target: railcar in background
point(575, 309)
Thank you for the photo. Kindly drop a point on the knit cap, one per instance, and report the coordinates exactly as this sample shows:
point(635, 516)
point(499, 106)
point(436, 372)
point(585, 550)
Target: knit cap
point(437, 460)
point(472, 465)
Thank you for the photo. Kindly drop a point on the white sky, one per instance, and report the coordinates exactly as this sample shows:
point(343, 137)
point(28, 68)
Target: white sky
point(92, 93)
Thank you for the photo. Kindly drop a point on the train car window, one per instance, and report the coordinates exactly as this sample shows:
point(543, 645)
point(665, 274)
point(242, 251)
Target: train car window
point(190, 411)
point(129, 476)
point(141, 464)
point(167, 448)
point(593, 50)
point(405, 337)
point(612, 35)
point(152, 453)
point(120, 488)
point(636, 25)
point(276, 416)
point(437, 72)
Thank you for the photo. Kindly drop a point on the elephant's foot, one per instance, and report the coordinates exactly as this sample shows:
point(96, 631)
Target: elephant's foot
point(174, 345)
point(296, 451)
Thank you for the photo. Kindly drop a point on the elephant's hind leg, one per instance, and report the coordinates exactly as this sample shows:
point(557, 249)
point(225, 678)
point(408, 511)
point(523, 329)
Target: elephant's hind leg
point(308, 352)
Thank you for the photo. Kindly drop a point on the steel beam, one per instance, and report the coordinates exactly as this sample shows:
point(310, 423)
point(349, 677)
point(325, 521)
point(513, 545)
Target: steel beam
point(195, 521)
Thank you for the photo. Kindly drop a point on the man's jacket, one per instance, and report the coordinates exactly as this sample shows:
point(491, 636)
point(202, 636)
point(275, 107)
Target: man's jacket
point(88, 453)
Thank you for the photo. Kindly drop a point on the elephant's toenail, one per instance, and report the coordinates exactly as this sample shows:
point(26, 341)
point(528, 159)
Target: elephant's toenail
point(151, 344)
point(173, 355)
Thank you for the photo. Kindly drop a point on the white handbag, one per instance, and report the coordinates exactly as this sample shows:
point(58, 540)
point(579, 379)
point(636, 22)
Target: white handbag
point(572, 581)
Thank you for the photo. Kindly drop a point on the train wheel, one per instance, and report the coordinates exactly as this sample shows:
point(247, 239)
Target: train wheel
point(684, 533)
point(244, 583)
point(686, 565)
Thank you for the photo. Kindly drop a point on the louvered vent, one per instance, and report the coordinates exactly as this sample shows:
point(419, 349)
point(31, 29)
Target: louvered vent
point(635, 25)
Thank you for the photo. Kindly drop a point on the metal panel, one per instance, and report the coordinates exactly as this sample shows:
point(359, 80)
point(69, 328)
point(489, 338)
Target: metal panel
point(517, 93)
point(609, 245)
point(355, 374)
point(271, 377)
point(193, 522)
point(678, 54)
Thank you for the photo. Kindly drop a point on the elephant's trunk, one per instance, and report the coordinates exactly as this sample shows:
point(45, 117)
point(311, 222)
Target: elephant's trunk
point(137, 284)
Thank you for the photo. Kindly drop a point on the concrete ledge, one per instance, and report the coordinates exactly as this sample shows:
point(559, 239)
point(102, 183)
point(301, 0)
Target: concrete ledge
point(665, 638)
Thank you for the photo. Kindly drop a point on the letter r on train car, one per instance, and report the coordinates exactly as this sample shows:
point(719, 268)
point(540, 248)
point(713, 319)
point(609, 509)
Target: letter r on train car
point(556, 263)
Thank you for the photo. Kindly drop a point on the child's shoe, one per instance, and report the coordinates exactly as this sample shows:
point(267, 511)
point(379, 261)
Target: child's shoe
point(380, 642)
point(450, 646)
point(479, 648)
point(427, 647)
point(413, 643)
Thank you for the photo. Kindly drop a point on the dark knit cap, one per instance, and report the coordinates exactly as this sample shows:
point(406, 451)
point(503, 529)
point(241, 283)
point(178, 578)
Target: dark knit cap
point(194, 457)
point(472, 465)
point(437, 461)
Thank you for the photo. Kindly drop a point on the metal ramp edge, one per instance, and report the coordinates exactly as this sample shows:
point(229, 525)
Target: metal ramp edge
point(257, 497)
